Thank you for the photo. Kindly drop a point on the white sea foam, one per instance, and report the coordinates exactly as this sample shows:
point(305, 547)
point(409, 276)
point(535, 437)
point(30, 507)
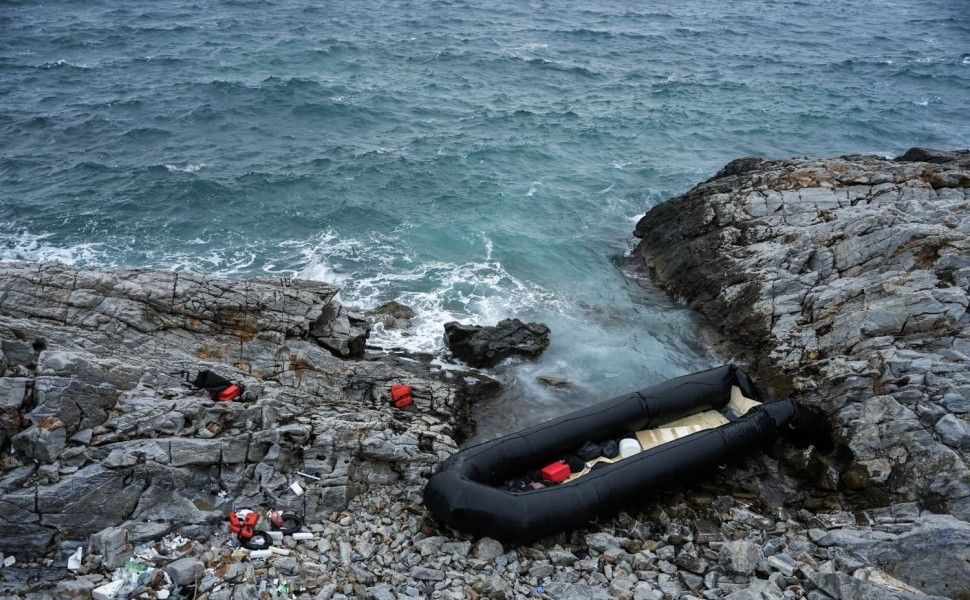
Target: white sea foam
point(24, 245)
point(476, 291)
point(64, 63)
point(186, 169)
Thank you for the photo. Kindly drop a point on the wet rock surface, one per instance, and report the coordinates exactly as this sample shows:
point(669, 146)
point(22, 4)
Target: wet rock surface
point(845, 283)
point(485, 346)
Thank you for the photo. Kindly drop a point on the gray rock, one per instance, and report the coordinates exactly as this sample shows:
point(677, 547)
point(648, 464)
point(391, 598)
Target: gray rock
point(340, 332)
point(457, 548)
point(847, 281)
point(185, 571)
point(13, 392)
point(392, 315)
point(381, 592)
point(954, 431)
point(783, 563)
point(78, 589)
point(289, 566)
point(577, 591)
point(43, 442)
point(602, 541)
point(742, 556)
point(863, 586)
point(112, 545)
point(426, 574)
point(541, 570)
point(487, 549)
point(933, 555)
point(561, 557)
point(486, 346)
point(553, 381)
point(644, 591)
point(956, 403)
point(18, 353)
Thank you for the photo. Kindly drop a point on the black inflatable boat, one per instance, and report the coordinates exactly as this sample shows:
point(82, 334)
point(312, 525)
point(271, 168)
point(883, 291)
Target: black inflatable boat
point(684, 428)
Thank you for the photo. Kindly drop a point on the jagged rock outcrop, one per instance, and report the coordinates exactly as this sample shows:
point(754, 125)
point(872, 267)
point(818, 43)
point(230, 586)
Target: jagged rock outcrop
point(845, 282)
point(98, 427)
point(392, 315)
point(483, 346)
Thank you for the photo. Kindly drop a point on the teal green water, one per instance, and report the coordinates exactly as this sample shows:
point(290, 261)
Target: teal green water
point(475, 160)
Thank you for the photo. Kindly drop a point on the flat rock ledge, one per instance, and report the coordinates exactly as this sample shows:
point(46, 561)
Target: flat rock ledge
point(845, 283)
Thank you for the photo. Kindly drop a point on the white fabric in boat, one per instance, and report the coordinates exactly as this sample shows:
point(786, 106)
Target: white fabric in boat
point(708, 419)
point(739, 404)
point(658, 436)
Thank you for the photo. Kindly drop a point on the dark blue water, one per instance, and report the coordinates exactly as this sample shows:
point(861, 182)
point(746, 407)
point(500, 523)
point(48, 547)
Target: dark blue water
point(474, 159)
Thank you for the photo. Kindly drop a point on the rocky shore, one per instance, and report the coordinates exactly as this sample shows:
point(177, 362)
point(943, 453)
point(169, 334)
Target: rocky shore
point(845, 282)
point(841, 281)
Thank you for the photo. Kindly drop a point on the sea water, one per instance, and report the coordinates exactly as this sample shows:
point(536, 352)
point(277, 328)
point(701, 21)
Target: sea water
point(474, 160)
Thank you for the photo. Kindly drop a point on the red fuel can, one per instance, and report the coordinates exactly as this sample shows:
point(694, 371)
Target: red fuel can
point(401, 395)
point(230, 393)
point(557, 472)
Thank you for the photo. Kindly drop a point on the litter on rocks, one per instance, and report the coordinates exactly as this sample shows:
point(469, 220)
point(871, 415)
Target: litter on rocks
point(107, 591)
point(218, 387)
point(401, 395)
point(297, 488)
point(74, 560)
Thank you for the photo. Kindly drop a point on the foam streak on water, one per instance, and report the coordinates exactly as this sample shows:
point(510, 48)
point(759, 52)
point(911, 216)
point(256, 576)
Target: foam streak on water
point(476, 160)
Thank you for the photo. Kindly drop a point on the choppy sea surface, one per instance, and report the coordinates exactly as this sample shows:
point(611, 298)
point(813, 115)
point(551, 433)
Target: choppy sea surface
point(475, 160)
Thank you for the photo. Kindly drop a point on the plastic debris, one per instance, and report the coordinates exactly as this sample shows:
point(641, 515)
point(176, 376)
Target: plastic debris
point(74, 561)
point(137, 567)
point(260, 553)
point(297, 488)
point(302, 536)
point(107, 591)
point(308, 476)
point(280, 551)
point(176, 542)
point(9, 561)
point(276, 535)
point(162, 594)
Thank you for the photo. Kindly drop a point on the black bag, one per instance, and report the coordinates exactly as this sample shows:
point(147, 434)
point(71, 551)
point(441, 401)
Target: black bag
point(210, 382)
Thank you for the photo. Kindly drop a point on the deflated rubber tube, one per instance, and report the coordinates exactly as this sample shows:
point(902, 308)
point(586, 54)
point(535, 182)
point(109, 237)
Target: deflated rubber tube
point(463, 495)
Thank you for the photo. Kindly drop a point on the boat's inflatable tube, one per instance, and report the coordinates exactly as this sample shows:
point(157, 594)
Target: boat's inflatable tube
point(463, 493)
